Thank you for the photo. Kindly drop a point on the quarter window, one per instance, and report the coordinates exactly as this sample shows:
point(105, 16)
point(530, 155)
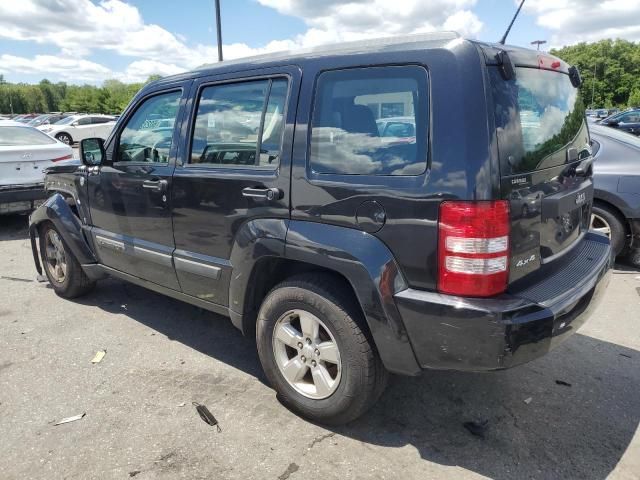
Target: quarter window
point(240, 125)
point(370, 121)
point(148, 134)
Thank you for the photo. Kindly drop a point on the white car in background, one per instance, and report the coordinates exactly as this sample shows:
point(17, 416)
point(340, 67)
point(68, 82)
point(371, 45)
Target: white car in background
point(78, 127)
point(24, 154)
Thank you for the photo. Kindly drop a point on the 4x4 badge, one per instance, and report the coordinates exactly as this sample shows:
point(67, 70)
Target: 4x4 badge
point(525, 261)
point(580, 198)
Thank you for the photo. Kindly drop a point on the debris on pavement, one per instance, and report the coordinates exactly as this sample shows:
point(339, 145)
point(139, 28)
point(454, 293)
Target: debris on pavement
point(562, 382)
point(476, 428)
point(182, 404)
point(625, 355)
point(133, 473)
point(70, 419)
point(528, 400)
point(99, 356)
point(206, 415)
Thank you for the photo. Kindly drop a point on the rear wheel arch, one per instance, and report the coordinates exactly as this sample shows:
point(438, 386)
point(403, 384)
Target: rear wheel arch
point(268, 272)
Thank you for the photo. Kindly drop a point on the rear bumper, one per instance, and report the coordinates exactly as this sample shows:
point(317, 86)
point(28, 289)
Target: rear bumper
point(449, 332)
point(21, 199)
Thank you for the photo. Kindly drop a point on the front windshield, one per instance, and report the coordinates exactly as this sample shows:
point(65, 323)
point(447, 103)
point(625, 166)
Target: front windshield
point(38, 120)
point(66, 121)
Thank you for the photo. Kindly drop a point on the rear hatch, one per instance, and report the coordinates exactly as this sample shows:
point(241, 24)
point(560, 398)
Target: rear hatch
point(545, 157)
point(24, 153)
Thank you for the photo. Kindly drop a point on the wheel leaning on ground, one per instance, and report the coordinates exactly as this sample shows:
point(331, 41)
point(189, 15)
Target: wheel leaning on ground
point(606, 221)
point(65, 138)
point(60, 265)
point(316, 351)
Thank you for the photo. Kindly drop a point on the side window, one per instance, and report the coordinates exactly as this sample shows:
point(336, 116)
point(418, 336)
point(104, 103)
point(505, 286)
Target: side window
point(240, 124)
point(148, 134)
point(370, 121)
point(84, 121)
point(96, 120)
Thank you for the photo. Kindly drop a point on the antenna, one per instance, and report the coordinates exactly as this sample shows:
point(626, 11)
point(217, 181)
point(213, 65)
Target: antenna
point(219, 30)
point(504, 37)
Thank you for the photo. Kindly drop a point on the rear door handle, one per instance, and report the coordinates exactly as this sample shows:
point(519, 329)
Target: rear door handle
point(156, 185)
point(265, 193)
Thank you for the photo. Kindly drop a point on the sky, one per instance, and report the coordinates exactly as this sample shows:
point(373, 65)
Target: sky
point(89, 41)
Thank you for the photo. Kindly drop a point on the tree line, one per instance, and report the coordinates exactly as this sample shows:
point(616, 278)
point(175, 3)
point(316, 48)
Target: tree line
point(112, 97)
point(610, 72)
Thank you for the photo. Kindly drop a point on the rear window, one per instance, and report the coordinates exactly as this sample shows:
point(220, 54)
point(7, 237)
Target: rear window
point(349, 133)
point(16, 136)
point(539, 115)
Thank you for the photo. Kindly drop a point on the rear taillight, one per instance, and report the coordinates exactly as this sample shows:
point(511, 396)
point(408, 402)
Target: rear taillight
point(66, 157)
point(473, 248)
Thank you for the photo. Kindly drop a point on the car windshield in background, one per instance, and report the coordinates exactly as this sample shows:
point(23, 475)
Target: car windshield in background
point(66, 121)
point(15, 136)
point(539, 116)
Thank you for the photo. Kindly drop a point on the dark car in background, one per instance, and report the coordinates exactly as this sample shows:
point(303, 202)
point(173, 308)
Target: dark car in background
point(616, 177)
point(628, 121)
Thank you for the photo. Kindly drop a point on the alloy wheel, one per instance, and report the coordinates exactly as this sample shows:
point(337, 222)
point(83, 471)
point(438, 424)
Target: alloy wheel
point(307, 354)
point(600, 225)
point(56, 257)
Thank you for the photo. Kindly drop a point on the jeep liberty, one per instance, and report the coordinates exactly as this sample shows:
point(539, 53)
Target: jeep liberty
point(382, 206)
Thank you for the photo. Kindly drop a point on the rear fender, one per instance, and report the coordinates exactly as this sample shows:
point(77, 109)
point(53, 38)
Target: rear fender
point(374, 275)
point(57, 211)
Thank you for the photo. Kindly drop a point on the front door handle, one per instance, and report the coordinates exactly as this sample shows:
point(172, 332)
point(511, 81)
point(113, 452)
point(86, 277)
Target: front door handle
point(264, 193)
point(155, 185)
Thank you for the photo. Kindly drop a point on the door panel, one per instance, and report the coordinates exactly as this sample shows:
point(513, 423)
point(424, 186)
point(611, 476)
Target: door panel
point(223, 182)
point(129, 194)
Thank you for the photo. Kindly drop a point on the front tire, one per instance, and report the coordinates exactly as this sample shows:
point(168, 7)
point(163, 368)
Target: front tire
point(65, 138)
point(316, 352)
point(60, 265)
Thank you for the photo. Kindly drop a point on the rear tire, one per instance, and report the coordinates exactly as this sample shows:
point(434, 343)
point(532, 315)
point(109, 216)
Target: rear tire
point(60, 265)
point(65, 138)
point(605, 220)
point(332, 384)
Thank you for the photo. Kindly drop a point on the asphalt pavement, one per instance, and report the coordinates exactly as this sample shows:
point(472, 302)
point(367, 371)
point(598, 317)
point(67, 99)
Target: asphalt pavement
point(571, 414)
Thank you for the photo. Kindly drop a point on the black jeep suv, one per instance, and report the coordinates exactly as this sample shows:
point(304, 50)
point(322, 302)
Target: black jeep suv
point(263, 190)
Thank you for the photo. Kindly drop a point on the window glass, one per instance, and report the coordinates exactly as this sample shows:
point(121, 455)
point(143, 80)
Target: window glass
point(13, 136)
point(539, 115)
point(629, 118)
point(228, 122)
point(354, 109)
point(148, 134)
point(84, 121)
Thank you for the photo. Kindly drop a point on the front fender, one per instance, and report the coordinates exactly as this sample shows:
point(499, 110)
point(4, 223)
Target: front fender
point(57, 211)
point(374, 275)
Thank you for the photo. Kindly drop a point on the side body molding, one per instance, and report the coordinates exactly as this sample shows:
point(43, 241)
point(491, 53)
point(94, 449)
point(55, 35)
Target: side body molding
point(374, 275)
point(57, 211)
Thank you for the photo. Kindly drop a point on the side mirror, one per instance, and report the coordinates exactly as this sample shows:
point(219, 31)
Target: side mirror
point(92, 151)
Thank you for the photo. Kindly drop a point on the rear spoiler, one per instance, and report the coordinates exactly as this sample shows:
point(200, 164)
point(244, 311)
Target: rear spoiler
point(508, 58)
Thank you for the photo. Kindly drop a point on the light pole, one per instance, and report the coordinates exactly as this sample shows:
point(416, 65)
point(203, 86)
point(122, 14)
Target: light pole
point(538, 43)
point(593, 84)
point(219, 30)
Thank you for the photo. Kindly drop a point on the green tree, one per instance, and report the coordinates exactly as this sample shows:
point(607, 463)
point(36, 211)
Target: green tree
point(610, 70)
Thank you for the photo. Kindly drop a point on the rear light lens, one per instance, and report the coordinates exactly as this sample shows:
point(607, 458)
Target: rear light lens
point(473, 248)
point(66, 157)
